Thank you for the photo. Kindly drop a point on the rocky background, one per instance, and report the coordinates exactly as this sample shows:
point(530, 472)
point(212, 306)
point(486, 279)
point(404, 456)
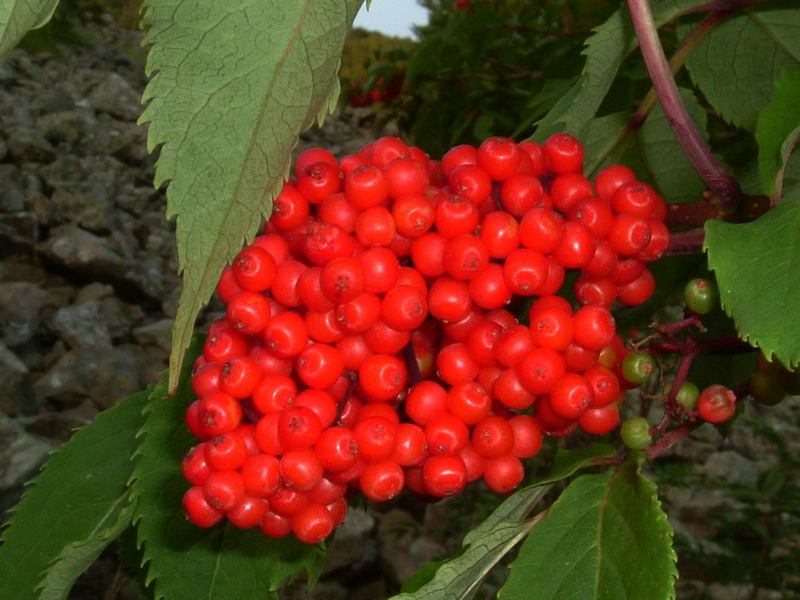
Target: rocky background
point(88, 289)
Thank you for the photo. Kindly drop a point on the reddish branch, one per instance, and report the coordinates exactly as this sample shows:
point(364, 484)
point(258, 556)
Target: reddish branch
point(721, 184)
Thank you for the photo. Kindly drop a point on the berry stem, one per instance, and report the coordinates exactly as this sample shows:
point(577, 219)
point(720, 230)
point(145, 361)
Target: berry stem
point(721, 5)
point(723, 186)
point(676, 62)
point(686, 242)
point(670, 439)
point(691, 214)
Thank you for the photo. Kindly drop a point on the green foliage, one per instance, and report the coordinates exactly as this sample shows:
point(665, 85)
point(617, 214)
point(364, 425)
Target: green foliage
point(485, 545)
point(183, 561)
point(777, 130)
point(74, 508)
point(582, 548)
point(17, 17)
point(736, 65)
point(756, 266)
point(234, 85)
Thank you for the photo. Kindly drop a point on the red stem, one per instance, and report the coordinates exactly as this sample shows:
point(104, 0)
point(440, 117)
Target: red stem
point(723, 186)
point(686, 242)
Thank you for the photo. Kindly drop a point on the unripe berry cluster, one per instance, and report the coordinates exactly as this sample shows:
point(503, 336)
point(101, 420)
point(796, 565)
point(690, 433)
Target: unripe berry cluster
point(368, 342)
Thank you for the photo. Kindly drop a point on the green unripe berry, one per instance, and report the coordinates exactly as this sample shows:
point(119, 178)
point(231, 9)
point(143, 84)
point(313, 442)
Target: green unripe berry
point(638, 366)
point(687, 395)
point(701, 296)
point(635, 433)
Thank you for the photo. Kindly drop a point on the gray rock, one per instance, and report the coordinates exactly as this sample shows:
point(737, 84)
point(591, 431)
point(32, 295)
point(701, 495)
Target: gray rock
point(115, 96)
point(404, 546)
point(21, 454)
point(732, 468)
point(158, 334)
point(52, 100)
point(717, 591)
point(82, 325)
point(19, 232)
point(3, 149)
point(59, 426)
point(62, 127)
point(23, 308)
point(352, 545)
point(14, 394)
point(104, 377)
point(92, 213)
point(84, 253)
point(25, 144)
point(12, 196)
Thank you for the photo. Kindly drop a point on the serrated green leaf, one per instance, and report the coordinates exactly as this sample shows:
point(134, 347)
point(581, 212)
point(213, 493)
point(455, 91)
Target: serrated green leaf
point(582, 548)
point(485, 545)
point(605, 50)
point(75, 558)
point(737, 64)
point(777, 129)
point(185, 562)
point(235, 84)
point(756, 266)
point(602, 135)
point(670, 170)
point(77, 494)
point(18, 17)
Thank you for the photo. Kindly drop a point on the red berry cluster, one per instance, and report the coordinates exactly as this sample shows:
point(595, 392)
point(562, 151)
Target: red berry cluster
point(385, 90)
point(368, 342)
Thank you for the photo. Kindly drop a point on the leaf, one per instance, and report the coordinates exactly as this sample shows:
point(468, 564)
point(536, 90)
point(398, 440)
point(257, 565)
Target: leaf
point(757, 274)
point(670, 170)
point(75, 558)
point(737, 64)
point(583, 548)
point(777, 129)
point(78, 494)
point(18, 17)
point(235, 84)
point(484, 546)
point(602, 135)
point(605, 50)
point(184, 561)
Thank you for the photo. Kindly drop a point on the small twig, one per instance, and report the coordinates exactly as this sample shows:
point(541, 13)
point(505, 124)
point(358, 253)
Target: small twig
point(721, 5)
point(724, 187)
point(668, 440)
point(692, 214)
point(686, 242)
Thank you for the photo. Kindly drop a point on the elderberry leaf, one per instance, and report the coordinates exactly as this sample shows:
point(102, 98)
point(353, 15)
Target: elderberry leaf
point(234, 85)
point(667, 166)
point(737, 63)
point(756, 269)
point(183, 561)
point(777, 129)
point(75, 558)
point(582, 548)
point(483, 547)
point(18, 17)
point(80, 494)
point(605, 51)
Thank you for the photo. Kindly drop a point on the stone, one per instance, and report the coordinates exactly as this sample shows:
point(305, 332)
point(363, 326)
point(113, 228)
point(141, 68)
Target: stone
point(352, 545)
point(12, 196)
point(104, 377)
point(27, 145)
point(731, 468)
point(14, 393)
point(404, 546)
point(82, 325)
point(52, 100)
point(115, 96)
point(23, 308)
point(19, 232)
point(82, 252)
point(157, 334)
point(59, 426)
point(21, 454)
